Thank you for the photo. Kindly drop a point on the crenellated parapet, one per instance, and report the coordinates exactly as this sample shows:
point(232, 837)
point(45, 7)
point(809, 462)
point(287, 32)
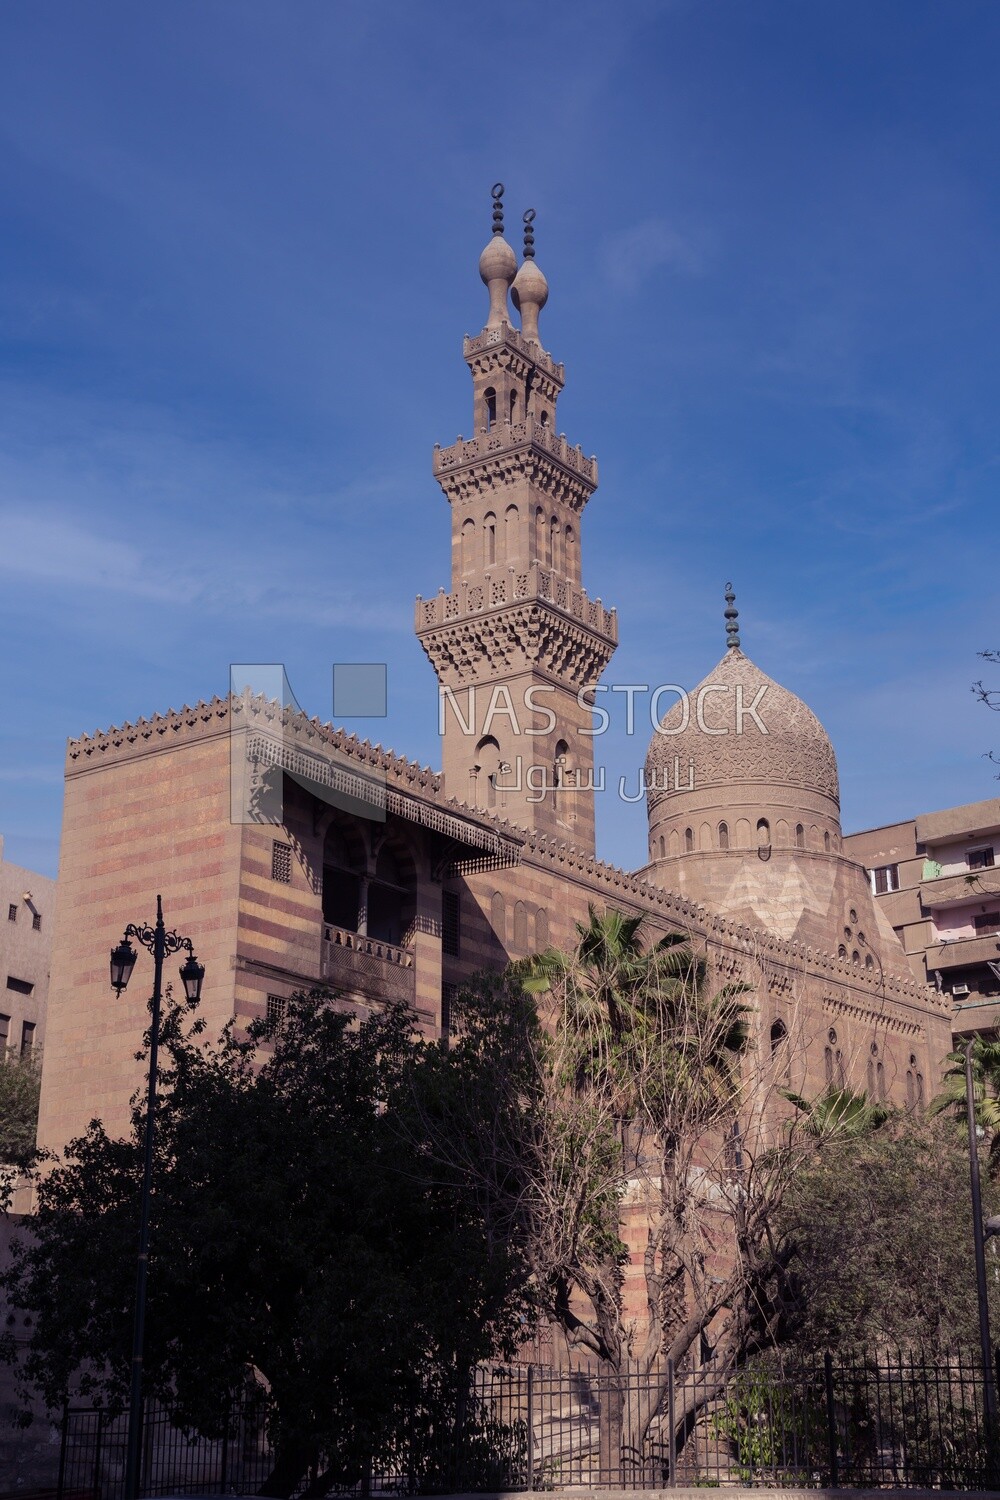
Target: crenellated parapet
point(517, 439)
point(510, 586)
point(505, 341)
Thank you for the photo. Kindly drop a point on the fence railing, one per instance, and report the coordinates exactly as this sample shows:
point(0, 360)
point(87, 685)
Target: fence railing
point(848, 1420)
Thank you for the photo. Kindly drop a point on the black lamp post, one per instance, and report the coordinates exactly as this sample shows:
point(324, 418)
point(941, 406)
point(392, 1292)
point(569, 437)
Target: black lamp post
point(160, 944)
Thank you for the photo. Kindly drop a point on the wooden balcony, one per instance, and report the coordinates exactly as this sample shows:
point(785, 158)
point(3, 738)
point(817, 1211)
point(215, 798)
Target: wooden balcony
point(365, 966)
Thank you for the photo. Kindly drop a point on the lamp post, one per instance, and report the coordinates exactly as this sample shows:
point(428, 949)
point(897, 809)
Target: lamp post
point(979, 1241)
point(160, 943)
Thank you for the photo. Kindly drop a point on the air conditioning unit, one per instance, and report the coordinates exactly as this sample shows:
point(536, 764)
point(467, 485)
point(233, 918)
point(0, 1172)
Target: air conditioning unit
point(960, 989)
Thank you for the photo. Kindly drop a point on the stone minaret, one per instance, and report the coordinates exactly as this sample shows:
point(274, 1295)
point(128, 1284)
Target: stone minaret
point(517, 643)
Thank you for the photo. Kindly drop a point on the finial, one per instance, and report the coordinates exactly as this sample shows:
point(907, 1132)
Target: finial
point(529, 234)
point(732, 620)
point(497, 194)
point(530, 290)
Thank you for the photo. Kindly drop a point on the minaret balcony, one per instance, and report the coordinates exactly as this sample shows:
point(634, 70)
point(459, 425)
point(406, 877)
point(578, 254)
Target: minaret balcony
point(513, 338)
point(509, 437)
point(513, 585)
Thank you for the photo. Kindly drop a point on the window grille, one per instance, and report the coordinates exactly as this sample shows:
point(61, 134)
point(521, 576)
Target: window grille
point(281, 862)
point(36, 921)
point(277, 1009)
point(12, 912)
point(448, 994)
point(451, 932)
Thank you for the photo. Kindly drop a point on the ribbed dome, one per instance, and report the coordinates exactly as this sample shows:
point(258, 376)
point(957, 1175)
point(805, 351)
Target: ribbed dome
point(725, 744)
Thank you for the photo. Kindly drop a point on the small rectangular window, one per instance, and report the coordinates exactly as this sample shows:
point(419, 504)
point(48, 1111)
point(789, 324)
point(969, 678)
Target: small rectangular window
point(451, 932)
point(12, 912)
point(36, 921)
point(448, 993)
point(27, 1037)
point(988, 922)
point(277, 1009)
point(981, 859)
point(19, 986)
point(281, 862)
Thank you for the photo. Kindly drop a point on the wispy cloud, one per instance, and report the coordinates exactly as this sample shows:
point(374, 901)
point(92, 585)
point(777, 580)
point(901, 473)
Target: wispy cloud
point(631, 255)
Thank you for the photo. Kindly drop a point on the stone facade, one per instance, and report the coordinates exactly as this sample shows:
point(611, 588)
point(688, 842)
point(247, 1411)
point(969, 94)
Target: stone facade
point(292, 853)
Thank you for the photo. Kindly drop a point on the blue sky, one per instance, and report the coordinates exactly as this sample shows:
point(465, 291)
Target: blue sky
point(238, 257)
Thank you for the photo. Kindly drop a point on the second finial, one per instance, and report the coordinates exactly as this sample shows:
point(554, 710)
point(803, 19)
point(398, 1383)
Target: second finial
point(732, 620)
point(529, 234)
point(496, 191)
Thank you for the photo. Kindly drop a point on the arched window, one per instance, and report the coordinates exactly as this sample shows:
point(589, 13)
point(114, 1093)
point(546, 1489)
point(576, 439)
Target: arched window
point(490, 408)
point(520, 927)
point(826, 841)
point(468, 546)
point(541, 929)
point(723, 835)
point(341, 881)
point(390, 897)
point(512, 409)
point(911, 1090)
point(781, 1053)
point(705, 836)
point(490, 550)
point(828, 1065)
point(920, 1091)
point(569, 558)
point(511, 548)
point(674, 843)
point(538, 534)
point(498, 917)
point(763, 834)
point(560, 768)
point(880, 1081)
point(554, 543)
point(800, 836)
point(688, 840)
point(871, 1079)
point(486, 770)
point(544, 419)
point(663, 847)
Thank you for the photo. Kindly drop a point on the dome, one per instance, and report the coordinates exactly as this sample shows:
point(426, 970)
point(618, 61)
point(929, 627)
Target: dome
point(498, 261)
point(529, 295)
point(739, 729)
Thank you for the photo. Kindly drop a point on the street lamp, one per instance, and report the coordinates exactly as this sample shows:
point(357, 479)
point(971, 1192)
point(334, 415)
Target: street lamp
point(160, 943)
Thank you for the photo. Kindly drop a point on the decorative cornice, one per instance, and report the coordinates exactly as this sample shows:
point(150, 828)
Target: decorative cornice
point(530, 635)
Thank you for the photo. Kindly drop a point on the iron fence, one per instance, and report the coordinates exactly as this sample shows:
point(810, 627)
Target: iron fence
point(850, 1420)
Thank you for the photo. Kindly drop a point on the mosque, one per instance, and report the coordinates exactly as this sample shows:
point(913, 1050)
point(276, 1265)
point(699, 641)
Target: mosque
point(292, 853)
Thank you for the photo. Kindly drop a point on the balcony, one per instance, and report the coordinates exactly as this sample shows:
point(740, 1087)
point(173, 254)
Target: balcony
point(367, 966)
point(512, 586)
point(962, 953)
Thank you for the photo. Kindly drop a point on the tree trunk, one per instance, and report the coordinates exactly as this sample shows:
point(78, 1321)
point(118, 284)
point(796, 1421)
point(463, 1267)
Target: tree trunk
point(290, 1463)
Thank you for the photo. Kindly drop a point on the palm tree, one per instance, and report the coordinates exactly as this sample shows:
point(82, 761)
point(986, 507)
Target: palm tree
point(985, 1091)
point(839, 1113)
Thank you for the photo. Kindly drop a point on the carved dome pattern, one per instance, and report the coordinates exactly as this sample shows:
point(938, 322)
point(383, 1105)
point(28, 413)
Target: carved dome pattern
point(795, 751)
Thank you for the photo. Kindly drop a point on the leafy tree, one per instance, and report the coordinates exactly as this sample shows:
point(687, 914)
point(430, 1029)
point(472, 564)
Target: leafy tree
point(20, 1083)
point(299, 1231)
point(880, 1221)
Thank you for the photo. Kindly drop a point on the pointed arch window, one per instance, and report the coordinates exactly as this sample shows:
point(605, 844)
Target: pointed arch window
point(688, 840)
point(800, 836)
point(490, 550)
point(723, 835)
point(490, 408)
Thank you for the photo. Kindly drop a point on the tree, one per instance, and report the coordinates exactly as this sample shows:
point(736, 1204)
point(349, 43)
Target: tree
point(989, 696)
point(299, 1233)
point(985, 1092)
point(637, 1101)
point(839, 1114)
point(20, 1084)
point(880, 1221)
